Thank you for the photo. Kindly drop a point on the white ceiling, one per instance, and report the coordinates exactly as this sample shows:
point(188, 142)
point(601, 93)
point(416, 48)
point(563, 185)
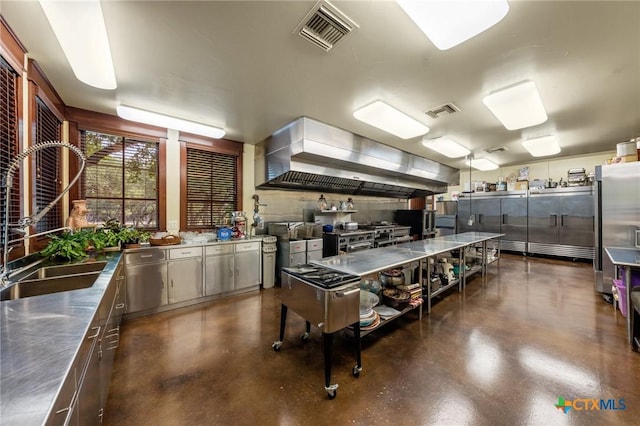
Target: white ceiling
point(238, 65)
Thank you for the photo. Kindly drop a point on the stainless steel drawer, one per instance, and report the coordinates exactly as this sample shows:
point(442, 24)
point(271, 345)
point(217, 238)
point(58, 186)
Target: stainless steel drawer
point(218, 249)
point(240, 247)
point(182, 253)
point(144, 256)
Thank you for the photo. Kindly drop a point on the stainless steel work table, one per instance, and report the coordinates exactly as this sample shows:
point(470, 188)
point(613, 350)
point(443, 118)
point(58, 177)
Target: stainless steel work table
point(474, 238)
point(39, 339)
point(628, 258)
point(433, 247)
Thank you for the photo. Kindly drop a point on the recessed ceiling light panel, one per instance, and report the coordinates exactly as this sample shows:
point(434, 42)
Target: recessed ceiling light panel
point(449, 23)
point(80, 30)
point(542, 146)
point(517, 106)
point(481, 164)
point(155, 119)
point(385, 117)
point(446, 146)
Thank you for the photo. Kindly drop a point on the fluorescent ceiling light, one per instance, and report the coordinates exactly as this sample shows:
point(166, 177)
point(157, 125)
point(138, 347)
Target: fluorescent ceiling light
point(155, 119)
point(446, 146)
point(481, 164)
point(542, 146)
point(80, 30)
point(385, 117)
point(517, 106)
point(449, 23)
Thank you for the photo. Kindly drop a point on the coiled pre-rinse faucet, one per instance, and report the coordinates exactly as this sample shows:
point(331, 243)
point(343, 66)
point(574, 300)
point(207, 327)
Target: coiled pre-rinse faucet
point(27, 221)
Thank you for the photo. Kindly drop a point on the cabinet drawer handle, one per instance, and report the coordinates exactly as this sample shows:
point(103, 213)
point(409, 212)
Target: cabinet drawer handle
point(97, 332)
point(146, 256)
point(62, 410)
point(120, 306)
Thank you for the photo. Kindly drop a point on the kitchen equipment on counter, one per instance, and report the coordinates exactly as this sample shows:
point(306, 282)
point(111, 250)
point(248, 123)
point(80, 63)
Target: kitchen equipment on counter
point(322, 203)
point(577, 177)
point(422, 222)
point(327, 228)
point(346, 242)
point(328, 299)
point(224, 234)
point(351, 226)
point(397, 299)
point(166, 240)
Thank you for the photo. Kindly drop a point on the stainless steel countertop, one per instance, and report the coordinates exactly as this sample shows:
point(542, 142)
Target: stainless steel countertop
point(367, 262)
point(624, 256)
point(39, 339)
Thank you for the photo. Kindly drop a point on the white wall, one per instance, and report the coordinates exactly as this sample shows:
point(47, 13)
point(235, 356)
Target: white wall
point(554, 169)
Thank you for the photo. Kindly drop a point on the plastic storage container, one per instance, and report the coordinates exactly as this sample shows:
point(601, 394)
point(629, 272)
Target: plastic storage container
point(621, 291)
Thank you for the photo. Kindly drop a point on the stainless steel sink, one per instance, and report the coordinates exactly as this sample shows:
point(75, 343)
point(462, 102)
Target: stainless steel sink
point(62, 270)
point(54, 279)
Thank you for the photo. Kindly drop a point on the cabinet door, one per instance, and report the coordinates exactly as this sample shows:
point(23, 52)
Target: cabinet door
point(146, 286)
point(247, 269)
point(514, 219)
point(185, 279)
point(543, 220)
point(218, 272)
point(89, 404)
point(577, 221)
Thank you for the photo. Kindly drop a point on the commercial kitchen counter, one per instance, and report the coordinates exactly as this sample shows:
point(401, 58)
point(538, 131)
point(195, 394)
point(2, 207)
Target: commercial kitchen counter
point(39, 339)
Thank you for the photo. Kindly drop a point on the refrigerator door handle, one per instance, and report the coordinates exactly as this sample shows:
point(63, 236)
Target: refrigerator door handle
point(562, 219)
point(553, 219)
point(504, 218)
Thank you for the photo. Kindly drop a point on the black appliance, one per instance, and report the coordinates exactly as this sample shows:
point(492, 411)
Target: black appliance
point(422, 222)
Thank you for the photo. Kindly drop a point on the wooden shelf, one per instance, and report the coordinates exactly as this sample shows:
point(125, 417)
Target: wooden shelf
point(335, 211)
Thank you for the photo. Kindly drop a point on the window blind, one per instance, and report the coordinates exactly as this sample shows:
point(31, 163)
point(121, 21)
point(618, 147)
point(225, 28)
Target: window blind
point(212, 187)
point(48, 179)
point(8, 143)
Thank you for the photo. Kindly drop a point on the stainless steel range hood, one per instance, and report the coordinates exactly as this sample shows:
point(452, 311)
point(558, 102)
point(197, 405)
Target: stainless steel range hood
point(313, 156)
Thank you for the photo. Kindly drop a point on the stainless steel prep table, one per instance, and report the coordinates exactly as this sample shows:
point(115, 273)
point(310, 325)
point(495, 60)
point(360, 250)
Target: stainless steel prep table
point(628, 258)
point(471, 238)
point(39, 339)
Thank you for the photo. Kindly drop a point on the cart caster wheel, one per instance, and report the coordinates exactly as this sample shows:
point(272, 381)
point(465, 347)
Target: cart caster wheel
point(276, 346)
point(332, 391)
point(356, 371)
point(304, 337)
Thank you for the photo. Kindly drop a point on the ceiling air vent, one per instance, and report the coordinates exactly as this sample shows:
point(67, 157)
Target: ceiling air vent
point(494, 150)
point(445, 109)
point(325, 26)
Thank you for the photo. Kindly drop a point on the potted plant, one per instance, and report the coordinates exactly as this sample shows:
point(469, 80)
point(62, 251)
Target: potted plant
point(69, 246)
point(131, 237)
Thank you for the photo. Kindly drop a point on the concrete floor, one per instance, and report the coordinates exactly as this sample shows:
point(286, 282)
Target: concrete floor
point(500, 353)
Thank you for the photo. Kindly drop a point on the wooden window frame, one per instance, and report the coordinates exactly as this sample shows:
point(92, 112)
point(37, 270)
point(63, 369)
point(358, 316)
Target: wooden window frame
point(80, 119)
point(219, 146)
point(12, 51)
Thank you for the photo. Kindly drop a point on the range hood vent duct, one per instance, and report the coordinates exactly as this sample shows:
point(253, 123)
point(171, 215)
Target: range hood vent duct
point(308, 155)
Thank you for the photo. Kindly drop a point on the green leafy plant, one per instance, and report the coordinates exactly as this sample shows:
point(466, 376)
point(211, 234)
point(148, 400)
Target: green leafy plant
point(68, 246)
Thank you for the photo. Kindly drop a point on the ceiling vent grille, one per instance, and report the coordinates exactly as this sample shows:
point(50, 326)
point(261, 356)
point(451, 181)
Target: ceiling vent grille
point(445, 109)
point(325, 26)
point(494, 150)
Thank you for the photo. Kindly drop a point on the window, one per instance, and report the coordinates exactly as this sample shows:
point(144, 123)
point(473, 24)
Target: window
point(120, 179)
point(211, 187)
point(8, 143)
point(48, 170)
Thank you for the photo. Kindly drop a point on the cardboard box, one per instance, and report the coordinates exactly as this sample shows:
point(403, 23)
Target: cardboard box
point(522, 184)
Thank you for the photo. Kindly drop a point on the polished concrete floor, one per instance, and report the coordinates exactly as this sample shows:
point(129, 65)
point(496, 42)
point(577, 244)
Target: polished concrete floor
point(502, 352)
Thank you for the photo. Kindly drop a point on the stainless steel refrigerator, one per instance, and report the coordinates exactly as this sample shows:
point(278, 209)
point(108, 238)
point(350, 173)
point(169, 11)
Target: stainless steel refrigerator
point(617, 211)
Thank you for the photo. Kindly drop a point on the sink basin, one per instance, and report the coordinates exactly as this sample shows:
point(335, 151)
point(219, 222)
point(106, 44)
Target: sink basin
point(63, 270)
point(54, 279)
